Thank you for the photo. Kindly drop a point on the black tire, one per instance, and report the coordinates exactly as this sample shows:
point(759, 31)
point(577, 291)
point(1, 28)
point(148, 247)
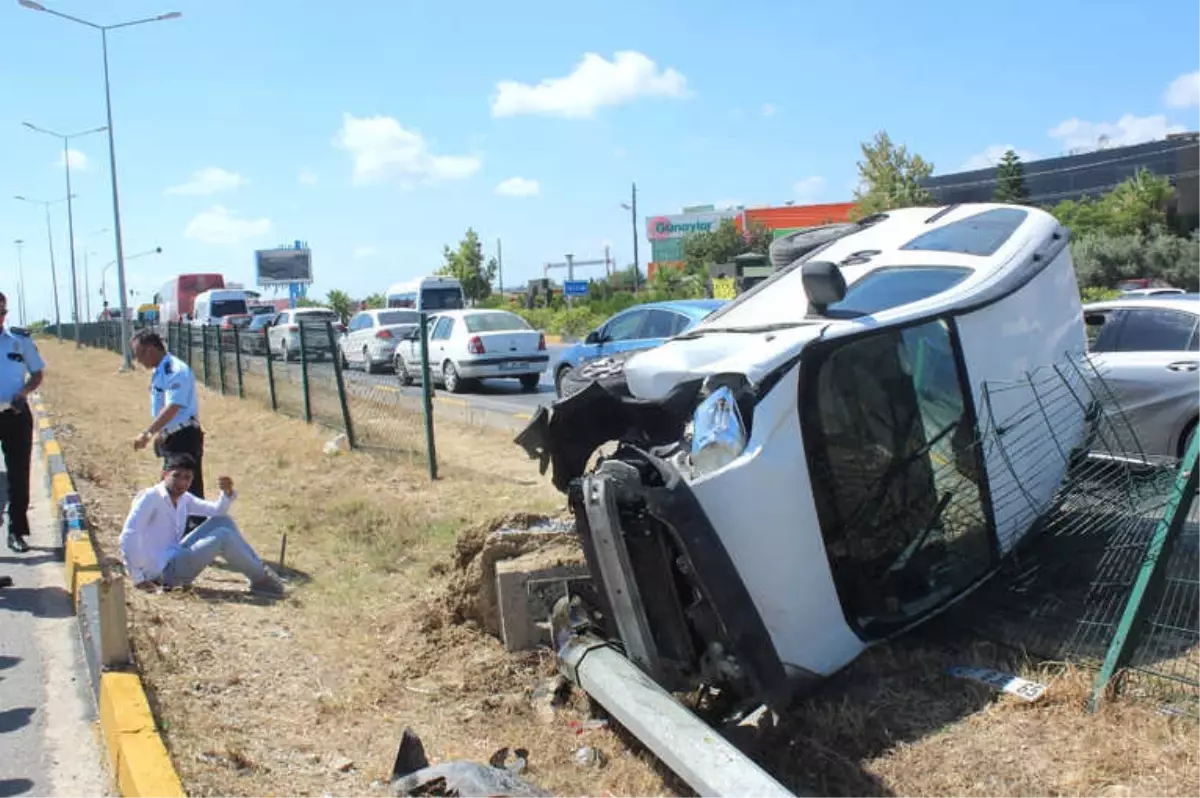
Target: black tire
point(529, 382)
point(559, 375)
point(450, 379)
point(402, 374)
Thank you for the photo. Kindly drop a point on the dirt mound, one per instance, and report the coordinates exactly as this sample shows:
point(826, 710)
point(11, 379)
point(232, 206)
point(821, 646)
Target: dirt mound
point(470, 593)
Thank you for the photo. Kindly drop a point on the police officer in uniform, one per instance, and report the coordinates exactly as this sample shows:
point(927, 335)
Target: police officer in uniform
point(18, 357)
point(174, 406)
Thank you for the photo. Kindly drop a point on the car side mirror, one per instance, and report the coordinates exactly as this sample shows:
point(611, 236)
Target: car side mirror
point(824, 284)
point(593, 337)
point(1093, 319)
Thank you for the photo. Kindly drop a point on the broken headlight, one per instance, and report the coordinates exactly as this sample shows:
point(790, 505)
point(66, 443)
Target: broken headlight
point(718, 434)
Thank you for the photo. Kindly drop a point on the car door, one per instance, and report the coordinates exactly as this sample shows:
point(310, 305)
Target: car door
point(278, 329)
point(440, 341)
point(411, 347)
point(356, 336)
point(1149, 361)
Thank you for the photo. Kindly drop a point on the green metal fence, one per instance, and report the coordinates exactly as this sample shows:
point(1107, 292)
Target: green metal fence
point(301, 373)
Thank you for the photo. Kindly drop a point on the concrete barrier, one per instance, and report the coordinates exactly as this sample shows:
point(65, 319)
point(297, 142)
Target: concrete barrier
point(139, 761)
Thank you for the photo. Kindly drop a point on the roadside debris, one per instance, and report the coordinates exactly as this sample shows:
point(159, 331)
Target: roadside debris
point(337, 444)
point(1004, 682)
point(413, 775)
point(550, 695)
point(590, 757)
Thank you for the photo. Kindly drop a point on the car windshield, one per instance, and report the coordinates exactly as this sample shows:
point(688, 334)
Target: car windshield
point(228, 307)
point(399, 317)
point(261, 321)
point(495, 322)
point(892, 287)
point(442, 299)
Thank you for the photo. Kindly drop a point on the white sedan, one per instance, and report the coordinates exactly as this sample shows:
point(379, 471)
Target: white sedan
point(468, 345)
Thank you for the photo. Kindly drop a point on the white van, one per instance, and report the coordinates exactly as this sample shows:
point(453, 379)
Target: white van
point(212, 306)
point(428, 294)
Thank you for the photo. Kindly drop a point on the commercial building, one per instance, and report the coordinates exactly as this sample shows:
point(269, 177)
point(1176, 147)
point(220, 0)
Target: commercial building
point(667, 232)
point(1072, 177)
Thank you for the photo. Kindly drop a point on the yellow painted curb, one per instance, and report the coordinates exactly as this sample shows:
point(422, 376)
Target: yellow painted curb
point(554, 339)
point(49, 449)
point(82, 565)
point(449, 401)
point(136, 751)
point(60, 486)
point(43, 423)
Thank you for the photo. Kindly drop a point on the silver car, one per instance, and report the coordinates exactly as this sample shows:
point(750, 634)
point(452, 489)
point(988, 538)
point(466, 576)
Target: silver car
point(1147, 349)
point(371, 337)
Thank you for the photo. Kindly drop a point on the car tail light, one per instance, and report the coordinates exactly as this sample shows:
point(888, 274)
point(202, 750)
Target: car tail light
point(293, 327)
point(541, 342)
point(384, 335)
point(475, 345)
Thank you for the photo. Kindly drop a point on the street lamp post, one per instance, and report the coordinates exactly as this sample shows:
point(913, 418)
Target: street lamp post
point(111, 263)
point(20, 282)
point(112, 153)
point(50, 241)
point(631, 206)
point(66, 139)
point(87, 278)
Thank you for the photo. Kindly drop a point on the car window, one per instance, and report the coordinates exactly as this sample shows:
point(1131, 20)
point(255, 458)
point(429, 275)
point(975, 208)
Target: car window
point(498, 321)
point(1094, 331)
point(624, 327)
point(283, 318)
point(443, 329)
point(400, 317)
point(1146, 330)
point(982, 234)
point(680, 323)
point(893, 287)
point(658, 324)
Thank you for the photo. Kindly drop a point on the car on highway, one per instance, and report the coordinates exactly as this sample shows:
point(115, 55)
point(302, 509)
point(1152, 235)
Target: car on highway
point(1147, 351)
point(371, 337)
point(253, 339)
point(633, 330)
point(470, 345)
point(284, 333)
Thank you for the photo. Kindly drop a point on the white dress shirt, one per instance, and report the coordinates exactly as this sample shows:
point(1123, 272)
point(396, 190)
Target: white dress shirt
point(155, 527)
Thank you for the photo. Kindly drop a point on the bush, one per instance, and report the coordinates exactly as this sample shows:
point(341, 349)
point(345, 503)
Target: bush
point(1101, 260)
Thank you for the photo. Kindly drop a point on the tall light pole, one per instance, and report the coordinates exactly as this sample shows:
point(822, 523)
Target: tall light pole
point(66, 139)
point(20, 282)
point(87, 281)
point(50, 241)
point(112, 153)
point(111, 263)
point(631, 206)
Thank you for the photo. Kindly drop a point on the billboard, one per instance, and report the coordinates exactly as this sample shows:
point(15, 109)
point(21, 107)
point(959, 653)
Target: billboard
point(666, 233)
point(282, 266)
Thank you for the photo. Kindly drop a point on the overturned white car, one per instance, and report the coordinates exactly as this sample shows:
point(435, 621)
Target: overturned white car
point(798, 476)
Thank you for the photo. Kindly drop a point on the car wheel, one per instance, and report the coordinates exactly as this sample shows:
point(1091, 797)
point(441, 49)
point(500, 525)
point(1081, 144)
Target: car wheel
point(450, 378)
point(402, 374)
point(529, 382)
point(561, 375)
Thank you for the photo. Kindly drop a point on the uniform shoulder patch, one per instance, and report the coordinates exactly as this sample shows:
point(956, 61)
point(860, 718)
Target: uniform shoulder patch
point(167, 367)
point(21, 331)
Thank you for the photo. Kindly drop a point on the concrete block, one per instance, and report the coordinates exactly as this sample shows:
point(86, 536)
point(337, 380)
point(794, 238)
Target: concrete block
point(525, 594)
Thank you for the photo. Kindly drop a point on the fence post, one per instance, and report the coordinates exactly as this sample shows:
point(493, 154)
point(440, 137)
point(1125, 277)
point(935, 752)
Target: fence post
point(427, 397)
point(341, 383)
point(270, 369)
point(237, 360)
point(221, 359)
point(304, 376)
point(204, 351)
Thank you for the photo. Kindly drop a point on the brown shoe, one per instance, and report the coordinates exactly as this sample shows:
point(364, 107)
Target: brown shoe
point(268, 585)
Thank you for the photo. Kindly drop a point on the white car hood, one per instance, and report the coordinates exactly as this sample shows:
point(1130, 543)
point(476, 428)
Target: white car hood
point(654, 373)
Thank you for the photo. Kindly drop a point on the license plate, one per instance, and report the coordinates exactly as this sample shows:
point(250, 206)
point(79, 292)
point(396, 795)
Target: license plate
point(513, 366)
point(1005, 682)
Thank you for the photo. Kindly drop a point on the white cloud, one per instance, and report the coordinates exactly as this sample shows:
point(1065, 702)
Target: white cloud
point(383, 150)
point(209, 180)
point(78, 161)
point(595, 83)
point(365, 252)
point(1076, 134)
point(218, 227)
point(992, 156)
point(519, 187)
point(1184, 91)
point(809, 189)
point(769, 110)
point(308, 177)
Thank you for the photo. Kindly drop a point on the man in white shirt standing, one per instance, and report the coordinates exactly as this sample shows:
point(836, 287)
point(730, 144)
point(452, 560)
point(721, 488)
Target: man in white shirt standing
point(156, 549)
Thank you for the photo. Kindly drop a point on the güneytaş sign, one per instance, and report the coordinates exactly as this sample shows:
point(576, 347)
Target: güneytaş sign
point(684, 224)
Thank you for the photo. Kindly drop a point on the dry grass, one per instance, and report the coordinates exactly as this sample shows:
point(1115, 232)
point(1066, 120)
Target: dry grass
point(261, 699)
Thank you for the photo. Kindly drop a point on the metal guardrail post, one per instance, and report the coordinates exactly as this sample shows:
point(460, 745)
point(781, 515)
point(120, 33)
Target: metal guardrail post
point(270, 370)
point(221, 359)
point(1148, 583)
point(204, 351)
point(427, 397)
point(237, 361)
point(304, 377)
point(341, 384)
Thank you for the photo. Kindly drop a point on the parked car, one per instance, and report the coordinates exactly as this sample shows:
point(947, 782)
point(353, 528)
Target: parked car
point(1162, 291)
point(371, 337)
point(469, 345)
point(634, 330)
point(1147, 350)
point(284, 334)
point(252, 339)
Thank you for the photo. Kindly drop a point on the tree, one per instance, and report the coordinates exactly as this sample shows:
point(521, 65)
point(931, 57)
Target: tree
point(1102, 260)
point(890, 178)
point(1010, 180)
point(466, 264)
point(1136, 206)
point(700, 250)
point(341, 302)
point(375, 301)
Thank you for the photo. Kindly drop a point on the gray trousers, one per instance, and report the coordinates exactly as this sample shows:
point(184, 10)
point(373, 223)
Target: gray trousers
point(216, 537)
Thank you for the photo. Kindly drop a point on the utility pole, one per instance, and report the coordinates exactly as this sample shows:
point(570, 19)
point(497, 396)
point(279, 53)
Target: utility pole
point(631, 206)
point(53, 276)
point(500, 268)
point(20, 282)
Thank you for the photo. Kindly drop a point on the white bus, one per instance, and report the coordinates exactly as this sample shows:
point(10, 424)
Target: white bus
point(429, 294)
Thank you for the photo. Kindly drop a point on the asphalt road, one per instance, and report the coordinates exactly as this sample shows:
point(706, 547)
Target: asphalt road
point(500, 395)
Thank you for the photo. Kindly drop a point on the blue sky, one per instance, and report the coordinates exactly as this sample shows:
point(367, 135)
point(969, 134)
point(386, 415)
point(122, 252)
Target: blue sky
point(380, 130)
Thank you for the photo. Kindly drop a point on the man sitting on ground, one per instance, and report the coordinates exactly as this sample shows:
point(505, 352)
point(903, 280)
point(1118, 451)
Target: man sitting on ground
point(156, 550)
